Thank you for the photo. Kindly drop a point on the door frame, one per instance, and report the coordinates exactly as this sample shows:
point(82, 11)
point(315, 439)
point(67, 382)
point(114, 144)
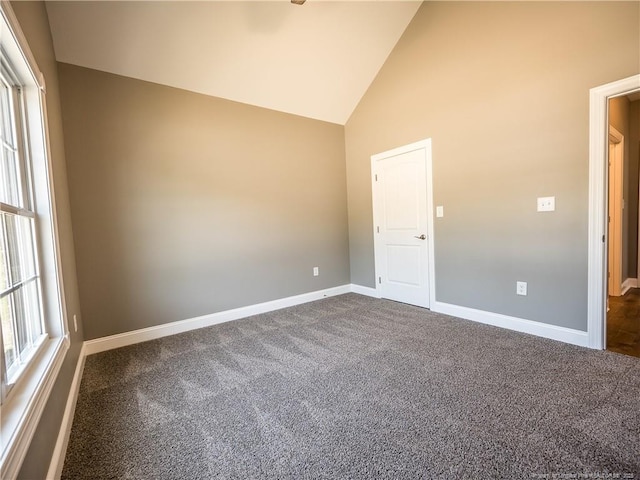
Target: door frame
point(615, 210)
point(424, 145)
point(597, 245)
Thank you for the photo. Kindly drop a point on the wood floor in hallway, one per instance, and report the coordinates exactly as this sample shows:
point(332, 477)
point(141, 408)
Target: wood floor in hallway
point(623, 323)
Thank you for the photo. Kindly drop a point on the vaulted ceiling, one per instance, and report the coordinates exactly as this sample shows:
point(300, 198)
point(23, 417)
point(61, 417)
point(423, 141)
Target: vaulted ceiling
point(316, 60)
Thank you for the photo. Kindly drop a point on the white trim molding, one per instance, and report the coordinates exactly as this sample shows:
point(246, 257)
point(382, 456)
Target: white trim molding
point(598, 141)
point(628, 284)
point(60, 450)
point(563, 334)
point(19, 424)
point(25, 403)
point(553, 332)
point(159, 331)
point(16, 31)
point(367, 291)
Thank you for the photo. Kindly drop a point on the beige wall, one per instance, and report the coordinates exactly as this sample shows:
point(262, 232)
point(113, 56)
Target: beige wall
point(619, 114)
point(35, 25)
point(186, 205)
point(502, 89)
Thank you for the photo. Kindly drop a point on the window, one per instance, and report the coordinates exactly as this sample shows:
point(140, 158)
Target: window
point(22, 325)
point(34, 336)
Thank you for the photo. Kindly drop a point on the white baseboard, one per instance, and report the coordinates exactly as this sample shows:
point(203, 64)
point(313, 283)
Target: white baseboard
point(159, 331)
point(60, 450)
point(628, 284)
point(368, 291)
point(562, 334)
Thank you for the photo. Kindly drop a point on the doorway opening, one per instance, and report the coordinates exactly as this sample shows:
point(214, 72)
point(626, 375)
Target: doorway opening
point(623, 299)
point(600, 237)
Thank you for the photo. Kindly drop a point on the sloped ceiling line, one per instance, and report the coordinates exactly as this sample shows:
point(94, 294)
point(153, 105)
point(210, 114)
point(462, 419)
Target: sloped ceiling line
point(316, 60)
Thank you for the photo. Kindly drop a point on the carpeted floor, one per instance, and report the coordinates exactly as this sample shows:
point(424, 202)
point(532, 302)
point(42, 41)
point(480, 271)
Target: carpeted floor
point(353, 387)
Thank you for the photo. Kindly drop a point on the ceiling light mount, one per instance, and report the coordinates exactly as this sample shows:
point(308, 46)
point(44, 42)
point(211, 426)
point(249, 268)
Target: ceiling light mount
point(298, 2)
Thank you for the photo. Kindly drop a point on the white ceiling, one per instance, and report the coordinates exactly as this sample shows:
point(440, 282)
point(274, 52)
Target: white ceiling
point(315, 60)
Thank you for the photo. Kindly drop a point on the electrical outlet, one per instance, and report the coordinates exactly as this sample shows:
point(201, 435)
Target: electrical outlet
point(546, 204)
point(316, 271)
point(521, 288)
point(75, 323)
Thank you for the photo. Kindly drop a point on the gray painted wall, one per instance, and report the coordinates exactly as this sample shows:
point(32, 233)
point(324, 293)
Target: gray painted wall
point(186, 205)
point(503, 91)
point(35, 25)
point(219, 205)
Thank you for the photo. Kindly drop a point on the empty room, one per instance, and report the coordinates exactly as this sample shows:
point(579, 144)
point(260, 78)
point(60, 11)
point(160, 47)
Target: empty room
point(319, 239)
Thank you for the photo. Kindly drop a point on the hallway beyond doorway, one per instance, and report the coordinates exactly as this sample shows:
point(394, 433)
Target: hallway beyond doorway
point(623, 323)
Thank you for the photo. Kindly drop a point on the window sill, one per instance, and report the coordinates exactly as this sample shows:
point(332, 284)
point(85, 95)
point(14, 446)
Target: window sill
point(23, 408)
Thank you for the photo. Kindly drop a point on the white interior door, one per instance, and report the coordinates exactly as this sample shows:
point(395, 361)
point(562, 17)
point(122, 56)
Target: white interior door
point(401, 230)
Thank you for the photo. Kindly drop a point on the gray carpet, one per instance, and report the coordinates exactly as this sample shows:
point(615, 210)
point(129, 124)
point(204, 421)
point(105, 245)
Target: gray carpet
point(353, 387)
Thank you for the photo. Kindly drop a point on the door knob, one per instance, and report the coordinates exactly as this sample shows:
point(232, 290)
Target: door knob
point(421, 237)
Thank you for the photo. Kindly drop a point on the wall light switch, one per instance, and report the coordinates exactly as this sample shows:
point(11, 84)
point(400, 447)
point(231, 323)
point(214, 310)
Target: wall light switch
point(546, 204)
point(439, 211)
point(316, 271)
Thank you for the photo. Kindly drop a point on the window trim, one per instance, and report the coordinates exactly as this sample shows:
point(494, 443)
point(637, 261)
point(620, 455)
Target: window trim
point(23, 208)
point(25, 404)
point(19, 108)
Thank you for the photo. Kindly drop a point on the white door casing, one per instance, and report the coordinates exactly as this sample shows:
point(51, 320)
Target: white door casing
point(598, 133)
point(403, 219)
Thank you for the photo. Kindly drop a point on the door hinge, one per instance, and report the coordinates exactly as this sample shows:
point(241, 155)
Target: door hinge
point(376, 177)
point(602, 238)
point(378, 229)
point(379, 279)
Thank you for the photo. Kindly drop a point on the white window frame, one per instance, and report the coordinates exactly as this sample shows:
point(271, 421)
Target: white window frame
point(25, 402)
point(24, 208)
